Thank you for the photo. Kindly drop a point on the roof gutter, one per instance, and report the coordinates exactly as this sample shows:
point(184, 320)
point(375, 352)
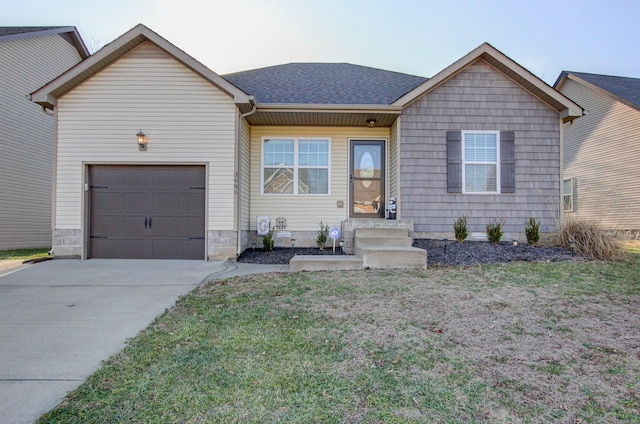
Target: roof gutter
point(238, 175)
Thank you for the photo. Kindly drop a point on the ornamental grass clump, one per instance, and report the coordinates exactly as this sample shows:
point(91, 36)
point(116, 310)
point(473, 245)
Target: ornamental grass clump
point(494, 231)
point(532, 230)
point(460, 229)
point(590, 240)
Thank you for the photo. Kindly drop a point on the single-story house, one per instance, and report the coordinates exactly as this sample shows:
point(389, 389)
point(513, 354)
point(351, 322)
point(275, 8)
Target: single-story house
point(602, 151)
point(160, 157)
point(29, 58)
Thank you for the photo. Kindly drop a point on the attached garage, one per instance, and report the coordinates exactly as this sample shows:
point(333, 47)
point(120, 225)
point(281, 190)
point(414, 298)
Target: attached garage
point(146, 212)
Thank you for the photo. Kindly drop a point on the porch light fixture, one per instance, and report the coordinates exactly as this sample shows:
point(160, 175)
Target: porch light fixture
point(371, 123)
point(142, 142)
point(293, 243)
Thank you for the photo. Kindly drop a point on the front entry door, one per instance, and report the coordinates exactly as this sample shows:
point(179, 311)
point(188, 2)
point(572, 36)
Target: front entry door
point(366, 188)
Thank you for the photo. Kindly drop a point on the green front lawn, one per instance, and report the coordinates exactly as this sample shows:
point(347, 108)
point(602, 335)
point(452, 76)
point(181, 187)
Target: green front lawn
point(24, 254)
point(523, 342)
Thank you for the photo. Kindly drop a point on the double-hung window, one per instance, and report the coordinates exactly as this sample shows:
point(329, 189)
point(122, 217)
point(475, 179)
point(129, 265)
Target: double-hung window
point(298, 166)
point(567, 195)
point(481, 170)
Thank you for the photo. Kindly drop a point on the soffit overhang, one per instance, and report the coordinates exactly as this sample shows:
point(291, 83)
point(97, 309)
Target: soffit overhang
point(323, 115)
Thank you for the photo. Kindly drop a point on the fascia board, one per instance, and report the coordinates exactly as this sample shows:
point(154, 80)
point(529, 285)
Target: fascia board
point(119, 47)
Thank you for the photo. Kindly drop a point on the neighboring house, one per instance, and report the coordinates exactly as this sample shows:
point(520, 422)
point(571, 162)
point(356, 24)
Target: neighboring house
point(602, 150)
point(29, 58)
point(305, 142)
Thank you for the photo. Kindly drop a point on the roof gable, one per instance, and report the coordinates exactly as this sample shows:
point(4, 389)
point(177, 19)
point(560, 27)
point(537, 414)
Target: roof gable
point(47, 95)
point(566, 107)
point(17, 33)
point(625, 89)
point(324, 83)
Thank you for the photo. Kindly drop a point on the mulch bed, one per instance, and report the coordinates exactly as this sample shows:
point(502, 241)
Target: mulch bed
point(439, 253)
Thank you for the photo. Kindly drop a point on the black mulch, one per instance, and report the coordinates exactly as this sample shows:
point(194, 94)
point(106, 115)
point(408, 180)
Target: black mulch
point(439, 253)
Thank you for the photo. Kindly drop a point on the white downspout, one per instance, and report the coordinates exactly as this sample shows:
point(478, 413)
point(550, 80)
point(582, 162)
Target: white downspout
point(238, 179)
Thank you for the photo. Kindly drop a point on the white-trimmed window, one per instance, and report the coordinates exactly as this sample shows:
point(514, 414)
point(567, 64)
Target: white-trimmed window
point(480, 166)
point(567, 195)
point(298, 166)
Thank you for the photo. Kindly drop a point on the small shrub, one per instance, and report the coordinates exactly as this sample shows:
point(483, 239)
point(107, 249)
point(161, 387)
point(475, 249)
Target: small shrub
point(591, 240)
point(268, 241)
point(323, 233)
point(494, 231)
point(460, 228)
point(532, 230)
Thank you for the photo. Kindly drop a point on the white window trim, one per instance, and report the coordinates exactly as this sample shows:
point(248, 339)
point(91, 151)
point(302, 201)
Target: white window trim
point(295, 166)
point(497, 163)
point(570, 194)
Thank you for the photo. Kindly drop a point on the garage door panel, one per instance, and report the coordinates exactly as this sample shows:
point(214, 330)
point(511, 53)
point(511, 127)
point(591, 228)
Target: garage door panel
point(105, 176)
point(136, 177)
point(192, 178)
point(190, 226)
point(190, 248)
point(169, 199)
point(164, 226)
point(134, 201)
point(107, 201)
point(164, 202)
point(106, 224)
point(108, 248)
point(133, 225)
point(190, 201)
point(135, 248)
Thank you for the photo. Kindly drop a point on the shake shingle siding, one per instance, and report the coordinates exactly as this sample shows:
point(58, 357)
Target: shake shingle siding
point(479, 98)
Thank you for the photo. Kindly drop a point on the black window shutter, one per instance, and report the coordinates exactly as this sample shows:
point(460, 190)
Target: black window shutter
point(507, 162)
point(454, 161)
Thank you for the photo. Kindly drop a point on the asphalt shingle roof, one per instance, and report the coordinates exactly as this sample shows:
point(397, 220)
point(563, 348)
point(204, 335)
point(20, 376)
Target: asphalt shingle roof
point(624, 87)
point(324, 83)
point(23, 30)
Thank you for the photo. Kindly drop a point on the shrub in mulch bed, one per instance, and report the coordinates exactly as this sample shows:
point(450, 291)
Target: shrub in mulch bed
point(439, 253)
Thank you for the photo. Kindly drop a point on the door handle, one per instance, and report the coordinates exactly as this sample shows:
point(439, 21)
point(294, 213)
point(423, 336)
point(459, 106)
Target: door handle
point(150, 222)
point(145, 222)
point(351, 178)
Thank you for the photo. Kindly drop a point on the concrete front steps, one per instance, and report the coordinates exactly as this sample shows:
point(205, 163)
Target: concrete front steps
point(376, 248)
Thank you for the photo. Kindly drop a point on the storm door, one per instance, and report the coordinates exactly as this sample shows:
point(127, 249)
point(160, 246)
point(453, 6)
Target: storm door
point(366, 182)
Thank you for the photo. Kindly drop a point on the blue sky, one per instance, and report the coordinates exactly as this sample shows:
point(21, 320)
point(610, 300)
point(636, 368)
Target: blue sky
point(411, 36)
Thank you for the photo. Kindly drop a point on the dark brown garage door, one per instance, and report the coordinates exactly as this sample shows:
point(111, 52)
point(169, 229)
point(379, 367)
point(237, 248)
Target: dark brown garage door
point(147, 212)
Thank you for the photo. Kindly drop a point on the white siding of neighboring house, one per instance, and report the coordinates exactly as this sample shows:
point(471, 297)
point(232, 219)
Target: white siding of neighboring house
point(187, 120)
point(304, 213)
point(26, 138)
point(602, 153)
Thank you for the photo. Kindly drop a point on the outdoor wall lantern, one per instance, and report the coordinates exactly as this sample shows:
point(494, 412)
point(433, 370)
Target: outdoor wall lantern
point(142, 141)
point(371, 123)
point(293, 243)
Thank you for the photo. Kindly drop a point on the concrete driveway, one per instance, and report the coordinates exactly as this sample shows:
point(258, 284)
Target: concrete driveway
point(59, 319)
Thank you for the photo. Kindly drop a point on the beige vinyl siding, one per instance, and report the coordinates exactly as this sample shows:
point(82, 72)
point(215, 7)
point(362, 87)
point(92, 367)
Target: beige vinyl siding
point(185, 118)
point(26, 138)
point(602, 154)
point(245, 177)
point(479, 98)
point(304, 213)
